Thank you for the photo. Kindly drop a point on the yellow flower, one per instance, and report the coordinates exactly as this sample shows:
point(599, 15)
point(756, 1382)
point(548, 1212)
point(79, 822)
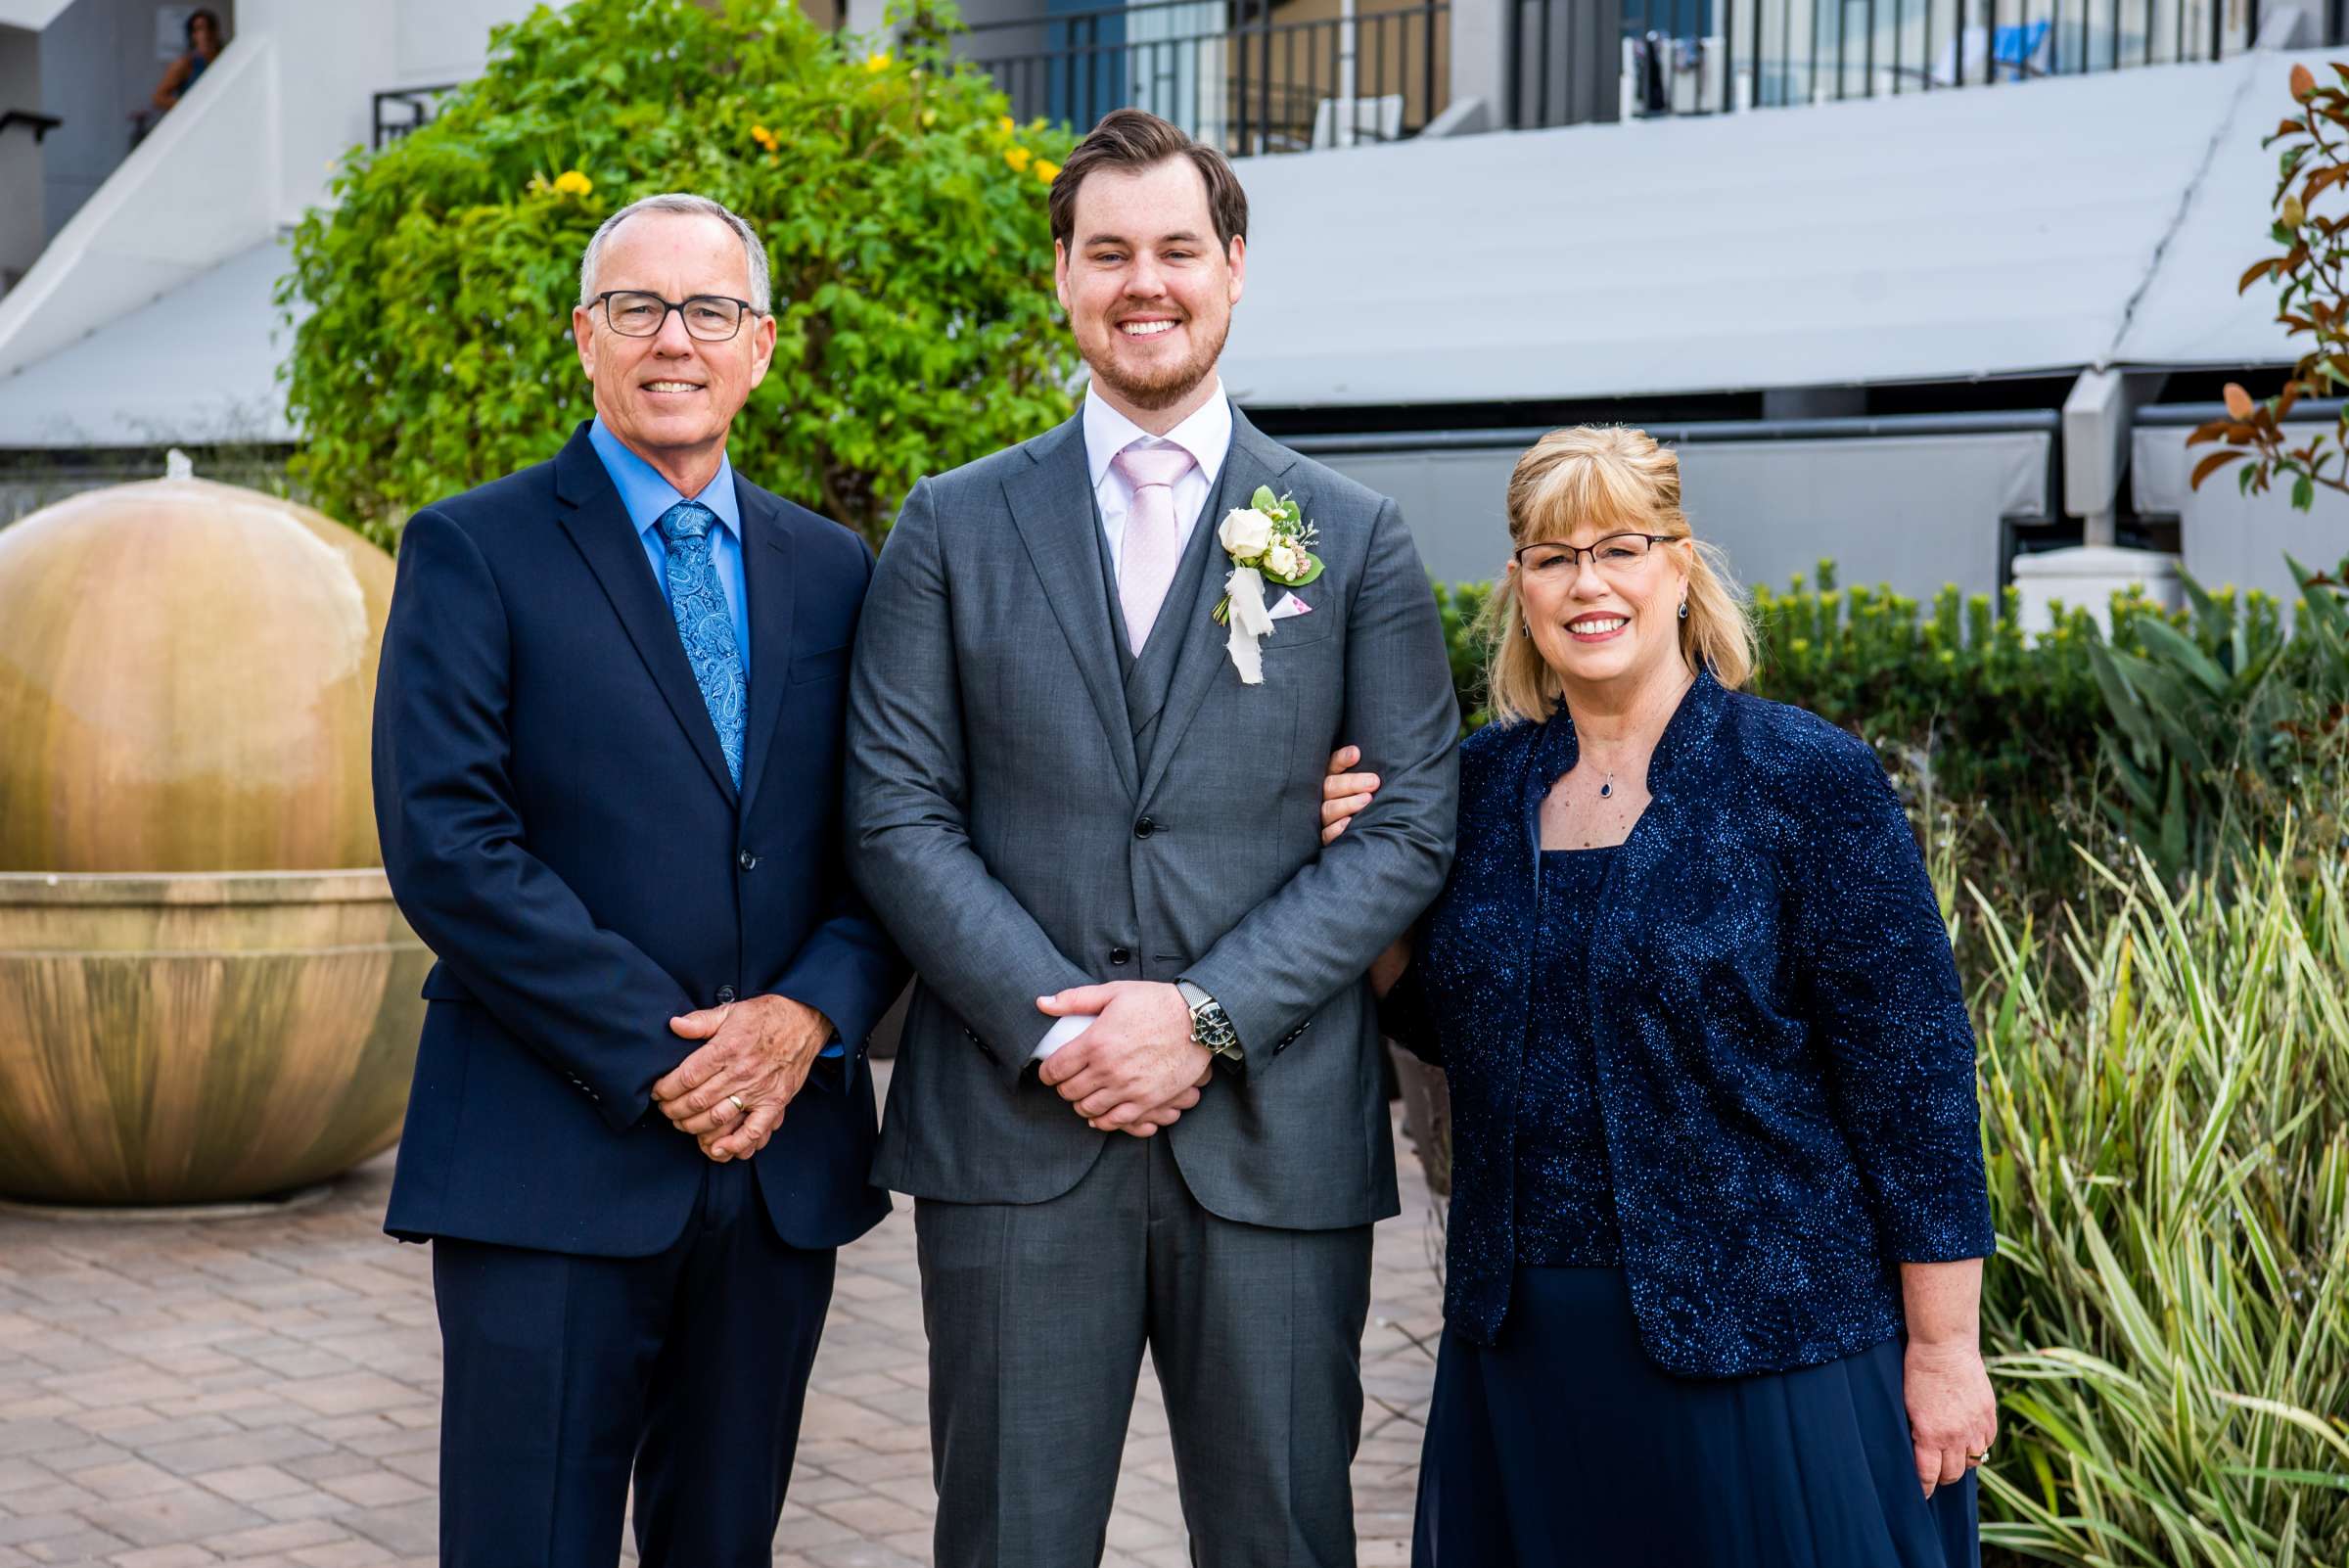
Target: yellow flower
point(765, 137)
point(570, 182)
point(1018, 157)
point(1047, 170)
point(1006, 125)
point(876, 62)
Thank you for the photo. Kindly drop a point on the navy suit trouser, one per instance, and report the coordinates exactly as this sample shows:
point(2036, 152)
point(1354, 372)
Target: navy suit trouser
point(562, 1375)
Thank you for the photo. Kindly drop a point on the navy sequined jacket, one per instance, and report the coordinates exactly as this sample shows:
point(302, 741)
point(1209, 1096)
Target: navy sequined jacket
point(1786, 1066)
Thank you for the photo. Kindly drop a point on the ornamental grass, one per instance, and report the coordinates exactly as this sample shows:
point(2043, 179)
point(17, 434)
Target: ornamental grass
point(2165, 1097)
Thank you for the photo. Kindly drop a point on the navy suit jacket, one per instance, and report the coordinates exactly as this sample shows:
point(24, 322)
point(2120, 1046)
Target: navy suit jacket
point(1786, 1066)
point(559, 826)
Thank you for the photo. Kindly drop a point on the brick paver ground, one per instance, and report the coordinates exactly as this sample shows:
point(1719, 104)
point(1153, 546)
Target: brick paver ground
point(265, 1392)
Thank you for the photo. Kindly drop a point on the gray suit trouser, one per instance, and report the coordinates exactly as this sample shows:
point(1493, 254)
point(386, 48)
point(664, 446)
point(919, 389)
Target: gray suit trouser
point(1037, 1316)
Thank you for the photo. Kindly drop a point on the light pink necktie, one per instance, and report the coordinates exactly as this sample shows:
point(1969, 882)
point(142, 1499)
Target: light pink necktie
point(1153, 540)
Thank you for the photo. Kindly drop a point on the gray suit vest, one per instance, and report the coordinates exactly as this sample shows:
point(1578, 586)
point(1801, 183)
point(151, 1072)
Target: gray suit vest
point(1149, 678)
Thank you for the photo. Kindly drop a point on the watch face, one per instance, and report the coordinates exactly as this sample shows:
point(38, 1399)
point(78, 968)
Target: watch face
point(1211, 1027)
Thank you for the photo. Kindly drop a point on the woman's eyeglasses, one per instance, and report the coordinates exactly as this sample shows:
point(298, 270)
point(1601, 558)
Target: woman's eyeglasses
point(1613, 555)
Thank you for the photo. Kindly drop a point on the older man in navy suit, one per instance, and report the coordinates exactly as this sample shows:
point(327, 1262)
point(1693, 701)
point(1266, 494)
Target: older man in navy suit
point(606, 772)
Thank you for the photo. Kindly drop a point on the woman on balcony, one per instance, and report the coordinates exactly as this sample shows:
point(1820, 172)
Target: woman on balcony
point(1719, 1213)
point(204, 44)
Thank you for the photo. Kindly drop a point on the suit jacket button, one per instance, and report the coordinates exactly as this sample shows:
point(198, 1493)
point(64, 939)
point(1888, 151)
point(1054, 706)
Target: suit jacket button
point(725, 995)
point(1119, 955)
point(746, 860)
point(1144, 828)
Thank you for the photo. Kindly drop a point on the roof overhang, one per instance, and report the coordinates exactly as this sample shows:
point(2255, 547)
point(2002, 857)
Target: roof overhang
point(31, 14)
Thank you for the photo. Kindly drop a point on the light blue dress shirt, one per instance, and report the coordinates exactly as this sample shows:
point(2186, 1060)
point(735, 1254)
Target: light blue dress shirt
point(647, 496)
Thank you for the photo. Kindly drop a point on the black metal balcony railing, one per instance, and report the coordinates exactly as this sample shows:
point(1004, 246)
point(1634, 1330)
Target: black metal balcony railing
point(1254, 85)
point(406, 109)
point(1604, 59)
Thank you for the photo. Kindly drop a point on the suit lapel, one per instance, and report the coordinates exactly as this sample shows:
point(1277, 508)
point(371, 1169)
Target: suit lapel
point(1053, 505)
point(599, 525)
point(1252, 460)
point(772, 587)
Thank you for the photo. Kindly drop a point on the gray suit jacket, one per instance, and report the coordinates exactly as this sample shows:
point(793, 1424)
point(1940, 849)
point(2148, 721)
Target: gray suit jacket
point(1015, 838)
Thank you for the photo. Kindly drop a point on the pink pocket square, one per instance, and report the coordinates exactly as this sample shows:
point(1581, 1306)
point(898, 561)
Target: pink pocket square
point(1290, 604)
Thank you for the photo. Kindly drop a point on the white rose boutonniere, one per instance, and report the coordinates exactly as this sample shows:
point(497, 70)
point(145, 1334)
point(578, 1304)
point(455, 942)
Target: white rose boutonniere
point(1245, 534)
point(1268, 538)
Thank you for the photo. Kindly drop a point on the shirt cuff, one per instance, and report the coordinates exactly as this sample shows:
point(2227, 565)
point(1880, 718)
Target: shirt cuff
point(1061, 1033)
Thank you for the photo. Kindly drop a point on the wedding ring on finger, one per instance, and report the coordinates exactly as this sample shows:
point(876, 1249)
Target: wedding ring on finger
point(739, 1107)
point(1977, 1459)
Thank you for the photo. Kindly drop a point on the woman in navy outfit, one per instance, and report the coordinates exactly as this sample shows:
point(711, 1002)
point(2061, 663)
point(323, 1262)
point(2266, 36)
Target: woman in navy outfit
point(1719, 1212)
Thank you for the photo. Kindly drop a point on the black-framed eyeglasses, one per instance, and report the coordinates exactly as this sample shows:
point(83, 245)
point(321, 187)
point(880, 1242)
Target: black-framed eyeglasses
point(1616, 553)
point(709, 317)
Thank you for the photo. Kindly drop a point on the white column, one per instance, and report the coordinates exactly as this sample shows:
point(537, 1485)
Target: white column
point(1479, 64)
point(2086, 577)
point(2097, 417)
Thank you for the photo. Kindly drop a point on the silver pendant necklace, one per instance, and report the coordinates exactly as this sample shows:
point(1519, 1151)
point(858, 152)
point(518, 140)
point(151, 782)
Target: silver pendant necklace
point(1607, 789)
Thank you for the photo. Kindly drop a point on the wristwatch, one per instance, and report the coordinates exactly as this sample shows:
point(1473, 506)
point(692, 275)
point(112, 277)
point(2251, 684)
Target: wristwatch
point(1211, 1026)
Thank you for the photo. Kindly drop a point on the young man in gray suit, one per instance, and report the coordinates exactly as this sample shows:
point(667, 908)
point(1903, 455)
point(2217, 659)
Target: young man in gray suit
point(1138, 1096)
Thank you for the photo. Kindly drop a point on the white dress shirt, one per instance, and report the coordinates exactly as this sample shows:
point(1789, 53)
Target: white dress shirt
point(1207, 437)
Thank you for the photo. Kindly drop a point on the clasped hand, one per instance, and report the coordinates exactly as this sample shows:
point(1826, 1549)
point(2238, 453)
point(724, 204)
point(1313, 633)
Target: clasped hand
point(1136, 1069)
point(758, 1049)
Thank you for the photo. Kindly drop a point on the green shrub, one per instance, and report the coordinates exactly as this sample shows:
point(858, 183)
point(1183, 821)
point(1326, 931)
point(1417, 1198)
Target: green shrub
point(1994, 734)
point(2211, 727)
point(904, 217)
point(1984, 727)
point(1461, 608)
point(2165, 1095)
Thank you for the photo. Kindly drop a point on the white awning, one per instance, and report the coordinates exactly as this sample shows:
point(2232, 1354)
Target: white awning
point(2189, 314)
point(1989, 231)
point(196, 366)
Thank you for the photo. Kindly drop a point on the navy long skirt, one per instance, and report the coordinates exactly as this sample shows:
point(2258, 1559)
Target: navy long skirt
point(1565, 1445)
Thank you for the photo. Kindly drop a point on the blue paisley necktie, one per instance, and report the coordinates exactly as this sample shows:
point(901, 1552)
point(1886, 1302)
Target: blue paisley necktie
point(705, 625)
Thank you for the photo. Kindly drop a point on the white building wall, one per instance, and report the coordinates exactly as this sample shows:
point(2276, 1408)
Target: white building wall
point(80, 69)
point(339, 54)
point(100, 62)
point(448, 40)
point(195, 193)
point(333, 57)
point(20, 232)
point(251, 150)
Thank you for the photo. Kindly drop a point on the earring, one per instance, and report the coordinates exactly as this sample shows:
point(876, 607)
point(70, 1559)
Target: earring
point(1684, 608)
point(1526, 631)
